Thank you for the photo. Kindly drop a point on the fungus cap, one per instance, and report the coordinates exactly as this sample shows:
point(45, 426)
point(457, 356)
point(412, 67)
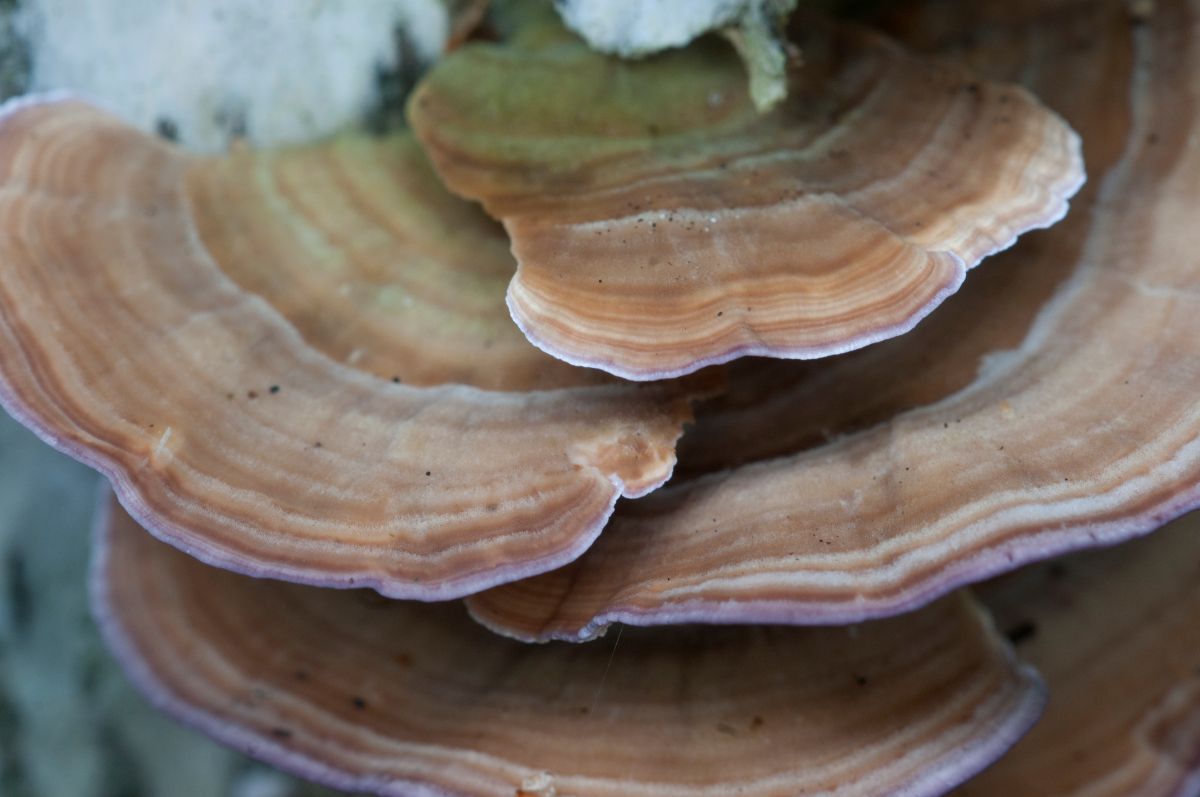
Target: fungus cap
point(1115, 635)
point(661, 223)
point(399, 698)
point(1083, 433)
point(145, 299)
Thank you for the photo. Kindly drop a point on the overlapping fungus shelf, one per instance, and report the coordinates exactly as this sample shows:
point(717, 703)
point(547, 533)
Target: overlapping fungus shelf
point(661, 223)
point(299, 364)
point(1065, 420)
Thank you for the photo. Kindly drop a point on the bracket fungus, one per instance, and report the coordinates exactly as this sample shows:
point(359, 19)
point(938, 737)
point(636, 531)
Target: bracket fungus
point(146, 298)
point(661, 223)
point(1115, 635)
point(1083, 434)
point(398, 698)
point(301, 364)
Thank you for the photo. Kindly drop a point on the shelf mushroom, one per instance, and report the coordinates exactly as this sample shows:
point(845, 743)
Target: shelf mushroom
point(155, 323)
point(299, 365)
point(1083, 433)
point(661, 223)
point(399, 698)
point(1115, 635)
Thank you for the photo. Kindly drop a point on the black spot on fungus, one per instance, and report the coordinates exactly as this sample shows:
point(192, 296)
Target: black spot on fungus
point(861, 680)
point(1021, 632)
point(358, 703)
point(428, 473)
point(273, 389)
point(396, 380)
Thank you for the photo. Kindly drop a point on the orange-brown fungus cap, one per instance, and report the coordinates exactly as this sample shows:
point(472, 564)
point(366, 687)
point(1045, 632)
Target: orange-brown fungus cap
point(400, 698)
point(661, 223)
point(145, 301)
point(1082, 429)
point(1115, 634)
point(357, 245)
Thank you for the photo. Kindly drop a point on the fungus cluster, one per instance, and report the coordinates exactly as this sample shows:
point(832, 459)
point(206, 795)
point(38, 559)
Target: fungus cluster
point(328, 366)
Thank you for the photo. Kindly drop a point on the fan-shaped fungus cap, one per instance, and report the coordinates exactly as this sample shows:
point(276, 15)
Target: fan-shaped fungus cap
point(402, 698)
point(143, 298)
point(1115, 635)
point(1085, 434)
point(660, 223)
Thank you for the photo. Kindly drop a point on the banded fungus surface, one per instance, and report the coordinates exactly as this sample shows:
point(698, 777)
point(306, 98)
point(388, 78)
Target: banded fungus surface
point(1115, 635)
point(300, 364)
point(661, 223)
point(232, 343)
point(1077, 426)
point(399, 698)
